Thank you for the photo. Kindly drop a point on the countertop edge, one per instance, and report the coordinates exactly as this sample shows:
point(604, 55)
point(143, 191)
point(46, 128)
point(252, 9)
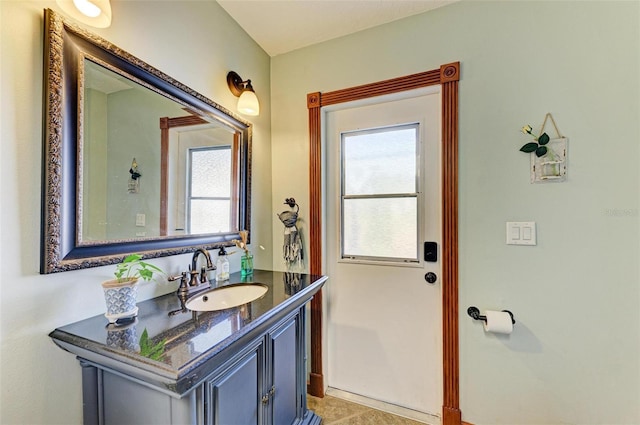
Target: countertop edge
point(179, 382)
point(196, 371)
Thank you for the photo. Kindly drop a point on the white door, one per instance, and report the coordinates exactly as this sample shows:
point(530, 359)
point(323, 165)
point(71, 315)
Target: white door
point(384, 320)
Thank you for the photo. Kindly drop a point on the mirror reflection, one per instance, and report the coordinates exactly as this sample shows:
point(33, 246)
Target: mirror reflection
point(150, 168)
point(200, 181)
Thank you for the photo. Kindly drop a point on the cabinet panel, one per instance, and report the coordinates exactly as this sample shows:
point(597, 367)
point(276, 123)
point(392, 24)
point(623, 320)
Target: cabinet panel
point(127, 402)
point(235, 397)
point(285, 369)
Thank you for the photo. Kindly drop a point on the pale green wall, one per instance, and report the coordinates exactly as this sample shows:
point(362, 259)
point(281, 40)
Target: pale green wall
point(196, 43)
point(94, 159)
point(574, 356)
point(134, 132)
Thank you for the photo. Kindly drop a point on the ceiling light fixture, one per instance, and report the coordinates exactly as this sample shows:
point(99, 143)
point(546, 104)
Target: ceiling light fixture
point(96, 13)
point(248, 101)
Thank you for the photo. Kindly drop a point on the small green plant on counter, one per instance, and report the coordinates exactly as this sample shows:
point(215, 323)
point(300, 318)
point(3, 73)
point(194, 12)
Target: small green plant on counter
point(538, 146)
point(133, 267)
point(149, 349)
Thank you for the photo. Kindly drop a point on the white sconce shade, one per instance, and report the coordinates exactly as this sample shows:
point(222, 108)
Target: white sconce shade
point(96, 13)
point(248, 103)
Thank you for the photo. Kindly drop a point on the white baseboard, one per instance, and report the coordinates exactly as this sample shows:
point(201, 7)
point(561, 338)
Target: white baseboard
point(416, 415)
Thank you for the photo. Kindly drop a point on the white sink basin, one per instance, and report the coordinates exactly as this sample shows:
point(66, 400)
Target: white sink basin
point(226, 297)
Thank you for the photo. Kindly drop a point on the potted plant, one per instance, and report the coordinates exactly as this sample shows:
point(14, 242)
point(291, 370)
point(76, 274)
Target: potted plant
point(120, 293)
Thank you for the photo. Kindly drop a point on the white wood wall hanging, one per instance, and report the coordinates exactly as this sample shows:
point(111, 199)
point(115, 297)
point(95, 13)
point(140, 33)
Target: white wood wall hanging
point(548, 156)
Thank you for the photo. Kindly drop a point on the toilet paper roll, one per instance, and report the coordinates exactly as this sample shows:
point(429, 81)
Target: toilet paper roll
point(498, 322)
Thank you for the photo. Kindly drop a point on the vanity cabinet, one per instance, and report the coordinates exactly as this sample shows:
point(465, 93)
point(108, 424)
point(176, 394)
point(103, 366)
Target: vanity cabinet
point(261, 386)
point(240, 366)
point(285, 397)
point(235, 397)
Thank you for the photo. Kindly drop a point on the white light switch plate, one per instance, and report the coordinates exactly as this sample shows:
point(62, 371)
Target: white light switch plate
point(140, 220)
point(521, 232)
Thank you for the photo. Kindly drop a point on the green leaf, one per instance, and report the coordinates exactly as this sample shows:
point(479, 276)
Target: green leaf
point(121, 269)
point(147, 349)
point(541, 151)
point(132, 258)
point(151, 266)
point(157, 351)
point(543, 139)
point(529, 147)
point(144, 338)
point(145, 274)
point(133, 266)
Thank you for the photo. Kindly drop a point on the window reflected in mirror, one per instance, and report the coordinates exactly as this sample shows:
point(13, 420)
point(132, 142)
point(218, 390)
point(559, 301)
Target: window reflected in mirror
point(209, 198)
point(199, 177)
point(185, 167)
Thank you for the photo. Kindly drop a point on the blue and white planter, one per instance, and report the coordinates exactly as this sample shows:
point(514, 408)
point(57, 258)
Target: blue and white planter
point(120, 298)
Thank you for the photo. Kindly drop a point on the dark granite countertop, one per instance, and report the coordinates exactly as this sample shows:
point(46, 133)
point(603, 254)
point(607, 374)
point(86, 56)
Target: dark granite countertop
point(193, 341)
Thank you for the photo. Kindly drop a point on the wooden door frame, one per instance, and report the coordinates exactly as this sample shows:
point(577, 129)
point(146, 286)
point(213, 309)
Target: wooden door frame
point(166, 124)
point(447, 76)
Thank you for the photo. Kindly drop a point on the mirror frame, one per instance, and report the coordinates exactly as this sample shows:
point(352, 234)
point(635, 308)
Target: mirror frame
point(64, 44)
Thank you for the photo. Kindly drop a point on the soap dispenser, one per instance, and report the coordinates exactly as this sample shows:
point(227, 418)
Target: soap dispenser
point(222, 266)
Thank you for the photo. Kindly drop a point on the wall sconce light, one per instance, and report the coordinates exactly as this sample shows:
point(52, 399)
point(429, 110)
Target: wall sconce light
point(248, 101)
point(96, 13)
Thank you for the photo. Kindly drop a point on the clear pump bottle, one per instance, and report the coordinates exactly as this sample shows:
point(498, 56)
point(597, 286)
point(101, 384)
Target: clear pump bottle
point(222, 266)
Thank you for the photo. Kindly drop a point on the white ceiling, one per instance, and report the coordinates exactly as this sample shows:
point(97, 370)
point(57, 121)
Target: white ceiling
point(280, 26)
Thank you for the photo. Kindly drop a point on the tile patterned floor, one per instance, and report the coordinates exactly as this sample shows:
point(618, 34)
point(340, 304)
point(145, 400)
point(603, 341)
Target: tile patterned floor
point(335, 411)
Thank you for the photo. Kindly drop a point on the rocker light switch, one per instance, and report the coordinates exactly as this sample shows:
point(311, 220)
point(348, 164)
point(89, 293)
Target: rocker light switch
point(521, 233)
point(140, 220)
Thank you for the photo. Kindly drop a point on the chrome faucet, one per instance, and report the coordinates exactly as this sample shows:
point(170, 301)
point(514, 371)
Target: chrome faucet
point(204, 269)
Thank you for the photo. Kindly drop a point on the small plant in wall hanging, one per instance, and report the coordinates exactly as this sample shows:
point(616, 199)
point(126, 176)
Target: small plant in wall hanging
point(134, 178)
point(548, 156)
point(538, 146)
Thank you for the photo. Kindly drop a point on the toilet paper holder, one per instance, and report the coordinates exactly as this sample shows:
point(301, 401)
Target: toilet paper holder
point(475, 314)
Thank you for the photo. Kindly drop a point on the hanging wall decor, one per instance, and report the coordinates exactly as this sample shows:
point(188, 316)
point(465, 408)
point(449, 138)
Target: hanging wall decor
point(292, 248)
point(134, 178)
point(548, 156)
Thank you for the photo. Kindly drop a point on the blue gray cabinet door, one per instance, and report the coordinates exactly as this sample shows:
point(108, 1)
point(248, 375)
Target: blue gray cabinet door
point(235, 395)
point(285, 369)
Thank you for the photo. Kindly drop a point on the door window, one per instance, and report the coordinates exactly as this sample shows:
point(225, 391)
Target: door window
point(380, 187)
